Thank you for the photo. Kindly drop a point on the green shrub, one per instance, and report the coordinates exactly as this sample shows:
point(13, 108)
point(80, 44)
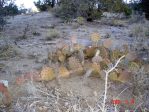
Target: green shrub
point(44, 5)
point(127, 11)
point(7, 9)
point(80, 20)
point(145, 7)
point(96, 14)
point(70, 9)
point(2, 22)
point(52, 34)
point(11, 9)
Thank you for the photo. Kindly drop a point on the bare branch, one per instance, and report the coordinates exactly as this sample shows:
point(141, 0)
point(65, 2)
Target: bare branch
point(106, 81)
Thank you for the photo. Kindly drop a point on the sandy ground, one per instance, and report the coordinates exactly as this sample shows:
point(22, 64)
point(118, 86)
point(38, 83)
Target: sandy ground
point(33, 51)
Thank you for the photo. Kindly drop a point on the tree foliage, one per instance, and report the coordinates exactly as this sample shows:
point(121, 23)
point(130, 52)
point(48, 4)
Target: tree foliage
point(43, 5)
point(2, 21)
point(141, 6)
point(91, 9)
point(145, 7)
point(11, 9)
point(7, 7)
point(76, 8)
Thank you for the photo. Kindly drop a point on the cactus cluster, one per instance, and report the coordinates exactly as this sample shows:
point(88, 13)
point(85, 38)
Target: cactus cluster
point(77, 59)
point(97, 58)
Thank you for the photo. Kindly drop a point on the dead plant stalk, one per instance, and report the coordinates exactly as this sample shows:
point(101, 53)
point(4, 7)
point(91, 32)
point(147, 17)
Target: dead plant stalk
point(106, 81)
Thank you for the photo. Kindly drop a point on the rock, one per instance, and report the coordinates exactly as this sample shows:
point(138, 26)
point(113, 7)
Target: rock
point(5, 98)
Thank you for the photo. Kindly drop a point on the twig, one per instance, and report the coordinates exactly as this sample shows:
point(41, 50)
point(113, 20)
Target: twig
point(138, 107)
point(106, 81)
point(122, 92)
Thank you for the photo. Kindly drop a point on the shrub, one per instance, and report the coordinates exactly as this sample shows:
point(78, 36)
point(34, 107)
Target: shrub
point(11, 9)
point(6, 50)
point(44, 5)
point(52, 34)
point(145, 7)
point(69, 9)
point(2, 22)
point(7, 9)
point(127, 11)
point(96, 14)
point(89, 10)
point(80, 20)
point(139, 30)
point(116, 23)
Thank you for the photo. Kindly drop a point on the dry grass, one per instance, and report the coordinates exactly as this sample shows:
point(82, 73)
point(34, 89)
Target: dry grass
point(52, 99)
point(75, 25)
point(119, 23)
point(52, 34)
point(140, 30)
point(7, 51)
point(140, 88)
point(25, 33)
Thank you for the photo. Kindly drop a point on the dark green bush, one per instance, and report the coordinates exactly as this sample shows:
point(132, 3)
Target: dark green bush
point(5, 10)
point(69, 9)
point(11, 9)
point(43, 5)
point(96, 14)
point(127, 11)
point(90, 9)
point(120, 6)
point(145, 7)
point(2, 22)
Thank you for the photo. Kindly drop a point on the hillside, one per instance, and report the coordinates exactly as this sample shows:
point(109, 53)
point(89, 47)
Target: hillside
point(27, 41)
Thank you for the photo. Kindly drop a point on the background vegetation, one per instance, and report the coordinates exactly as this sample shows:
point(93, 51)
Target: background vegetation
point(8, 8)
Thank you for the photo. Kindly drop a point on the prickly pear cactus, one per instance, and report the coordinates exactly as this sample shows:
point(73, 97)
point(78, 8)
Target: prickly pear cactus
point(104, 53)
point(114, 76)
point(75, 66)
point(47, 74)
point(95, 37)
point(95, 70)
point(66, 51)
point(63, 72)
point(104, 63)
point(90, 52)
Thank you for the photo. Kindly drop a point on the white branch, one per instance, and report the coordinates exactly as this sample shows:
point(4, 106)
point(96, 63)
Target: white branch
point(106, 81)
point(118, 61)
